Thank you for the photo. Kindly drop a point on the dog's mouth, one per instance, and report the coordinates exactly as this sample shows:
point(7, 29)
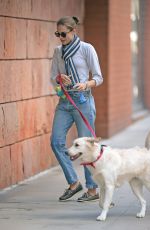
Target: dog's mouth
point(73, 158)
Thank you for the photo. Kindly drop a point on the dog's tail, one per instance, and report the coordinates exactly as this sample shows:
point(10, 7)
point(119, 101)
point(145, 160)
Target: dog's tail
point(147, 141)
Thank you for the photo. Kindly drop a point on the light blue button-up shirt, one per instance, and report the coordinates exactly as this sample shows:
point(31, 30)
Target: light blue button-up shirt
point(85, 60)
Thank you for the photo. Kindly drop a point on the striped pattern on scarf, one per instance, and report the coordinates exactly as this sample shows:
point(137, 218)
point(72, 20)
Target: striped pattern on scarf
point(67, 54)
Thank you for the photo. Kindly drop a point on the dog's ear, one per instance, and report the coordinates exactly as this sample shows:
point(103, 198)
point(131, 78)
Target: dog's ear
point(92, 140)
point(97, 139)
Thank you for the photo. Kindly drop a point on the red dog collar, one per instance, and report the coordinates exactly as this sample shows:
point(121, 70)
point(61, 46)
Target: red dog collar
point(99, 156)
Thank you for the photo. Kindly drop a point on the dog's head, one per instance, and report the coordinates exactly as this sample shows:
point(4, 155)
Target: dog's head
point(85, 148)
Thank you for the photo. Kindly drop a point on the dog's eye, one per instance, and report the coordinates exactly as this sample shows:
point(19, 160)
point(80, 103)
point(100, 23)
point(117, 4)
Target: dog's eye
point(76, 145)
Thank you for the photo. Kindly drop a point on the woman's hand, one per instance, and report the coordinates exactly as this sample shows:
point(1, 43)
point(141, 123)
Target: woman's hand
point(80, 86)
point(65, 79)
point(85, 86)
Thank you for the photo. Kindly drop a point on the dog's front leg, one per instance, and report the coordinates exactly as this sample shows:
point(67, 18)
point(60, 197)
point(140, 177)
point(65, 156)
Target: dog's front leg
point(101, 196)
point(109, 190)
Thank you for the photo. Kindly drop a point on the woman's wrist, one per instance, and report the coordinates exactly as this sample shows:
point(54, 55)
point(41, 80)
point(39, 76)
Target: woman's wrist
point(90, 84)
point(86, 85)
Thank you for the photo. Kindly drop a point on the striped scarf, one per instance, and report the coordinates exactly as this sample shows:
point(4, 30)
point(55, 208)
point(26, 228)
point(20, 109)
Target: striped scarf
point(67, 54)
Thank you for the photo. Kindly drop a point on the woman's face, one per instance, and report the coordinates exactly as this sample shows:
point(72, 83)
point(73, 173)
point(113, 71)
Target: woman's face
point(63, 30)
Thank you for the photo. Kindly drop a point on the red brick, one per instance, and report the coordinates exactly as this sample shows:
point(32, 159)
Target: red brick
point(26, 119)
point(8, 82)
point(2, 37)
point(15, 8)
point(16, 80)
point(40, 78)
point(5, 167)
point(50, 108)
point(42, 116)
point(2, 126)
point(46, 158)
point(25, 73)
point(145, 54)
point(53, 40)
point(35, 117)
point(10, 121)
point(16, 163)
point(4, 93)
point(60, 8)
point(42, 9)
point(38, 39)
point(13, 39)
point(80, 32)
point(36, 156)
point(27, 158)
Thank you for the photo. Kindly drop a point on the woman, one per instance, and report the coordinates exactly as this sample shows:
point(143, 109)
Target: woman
point(74, 60)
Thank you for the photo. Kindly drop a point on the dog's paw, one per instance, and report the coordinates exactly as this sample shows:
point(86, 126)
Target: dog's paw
point(140, 215)
point(101, 218)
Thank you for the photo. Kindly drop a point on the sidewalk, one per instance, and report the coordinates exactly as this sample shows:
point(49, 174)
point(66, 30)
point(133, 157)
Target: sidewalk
point(34, 204)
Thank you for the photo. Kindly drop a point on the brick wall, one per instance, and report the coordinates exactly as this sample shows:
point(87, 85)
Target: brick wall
point(96, 32)
point(145, 14)
point(107, 27)
point(119, 66)
point(27, 100)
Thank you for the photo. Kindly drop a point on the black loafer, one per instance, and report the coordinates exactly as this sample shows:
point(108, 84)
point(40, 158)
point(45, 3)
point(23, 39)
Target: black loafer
point(87, 197)
point(68, 193)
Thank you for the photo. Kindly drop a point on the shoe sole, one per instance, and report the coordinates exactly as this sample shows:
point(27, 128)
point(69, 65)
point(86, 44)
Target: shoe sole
point(88, 200)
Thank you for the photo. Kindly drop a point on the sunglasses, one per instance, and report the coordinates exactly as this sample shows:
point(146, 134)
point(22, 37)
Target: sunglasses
point(62, 34)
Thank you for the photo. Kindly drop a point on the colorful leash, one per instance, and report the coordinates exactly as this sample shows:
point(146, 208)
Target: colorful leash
point(72, 102)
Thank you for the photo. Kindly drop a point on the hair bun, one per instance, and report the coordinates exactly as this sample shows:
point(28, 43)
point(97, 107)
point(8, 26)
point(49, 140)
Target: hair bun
point(76, 19)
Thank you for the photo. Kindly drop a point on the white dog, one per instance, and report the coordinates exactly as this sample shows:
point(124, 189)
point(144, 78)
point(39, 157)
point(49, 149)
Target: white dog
point(111, 167)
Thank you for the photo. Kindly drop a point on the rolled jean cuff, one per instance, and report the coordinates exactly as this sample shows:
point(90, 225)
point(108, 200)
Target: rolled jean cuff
point(89, 186)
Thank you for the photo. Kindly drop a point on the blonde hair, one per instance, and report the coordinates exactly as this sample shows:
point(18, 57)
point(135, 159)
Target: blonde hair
point(68, 21)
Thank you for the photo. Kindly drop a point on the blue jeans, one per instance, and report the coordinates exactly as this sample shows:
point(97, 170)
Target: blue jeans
point(65, 116)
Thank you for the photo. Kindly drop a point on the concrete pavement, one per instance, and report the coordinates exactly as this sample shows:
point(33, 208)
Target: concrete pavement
point(34, 205)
